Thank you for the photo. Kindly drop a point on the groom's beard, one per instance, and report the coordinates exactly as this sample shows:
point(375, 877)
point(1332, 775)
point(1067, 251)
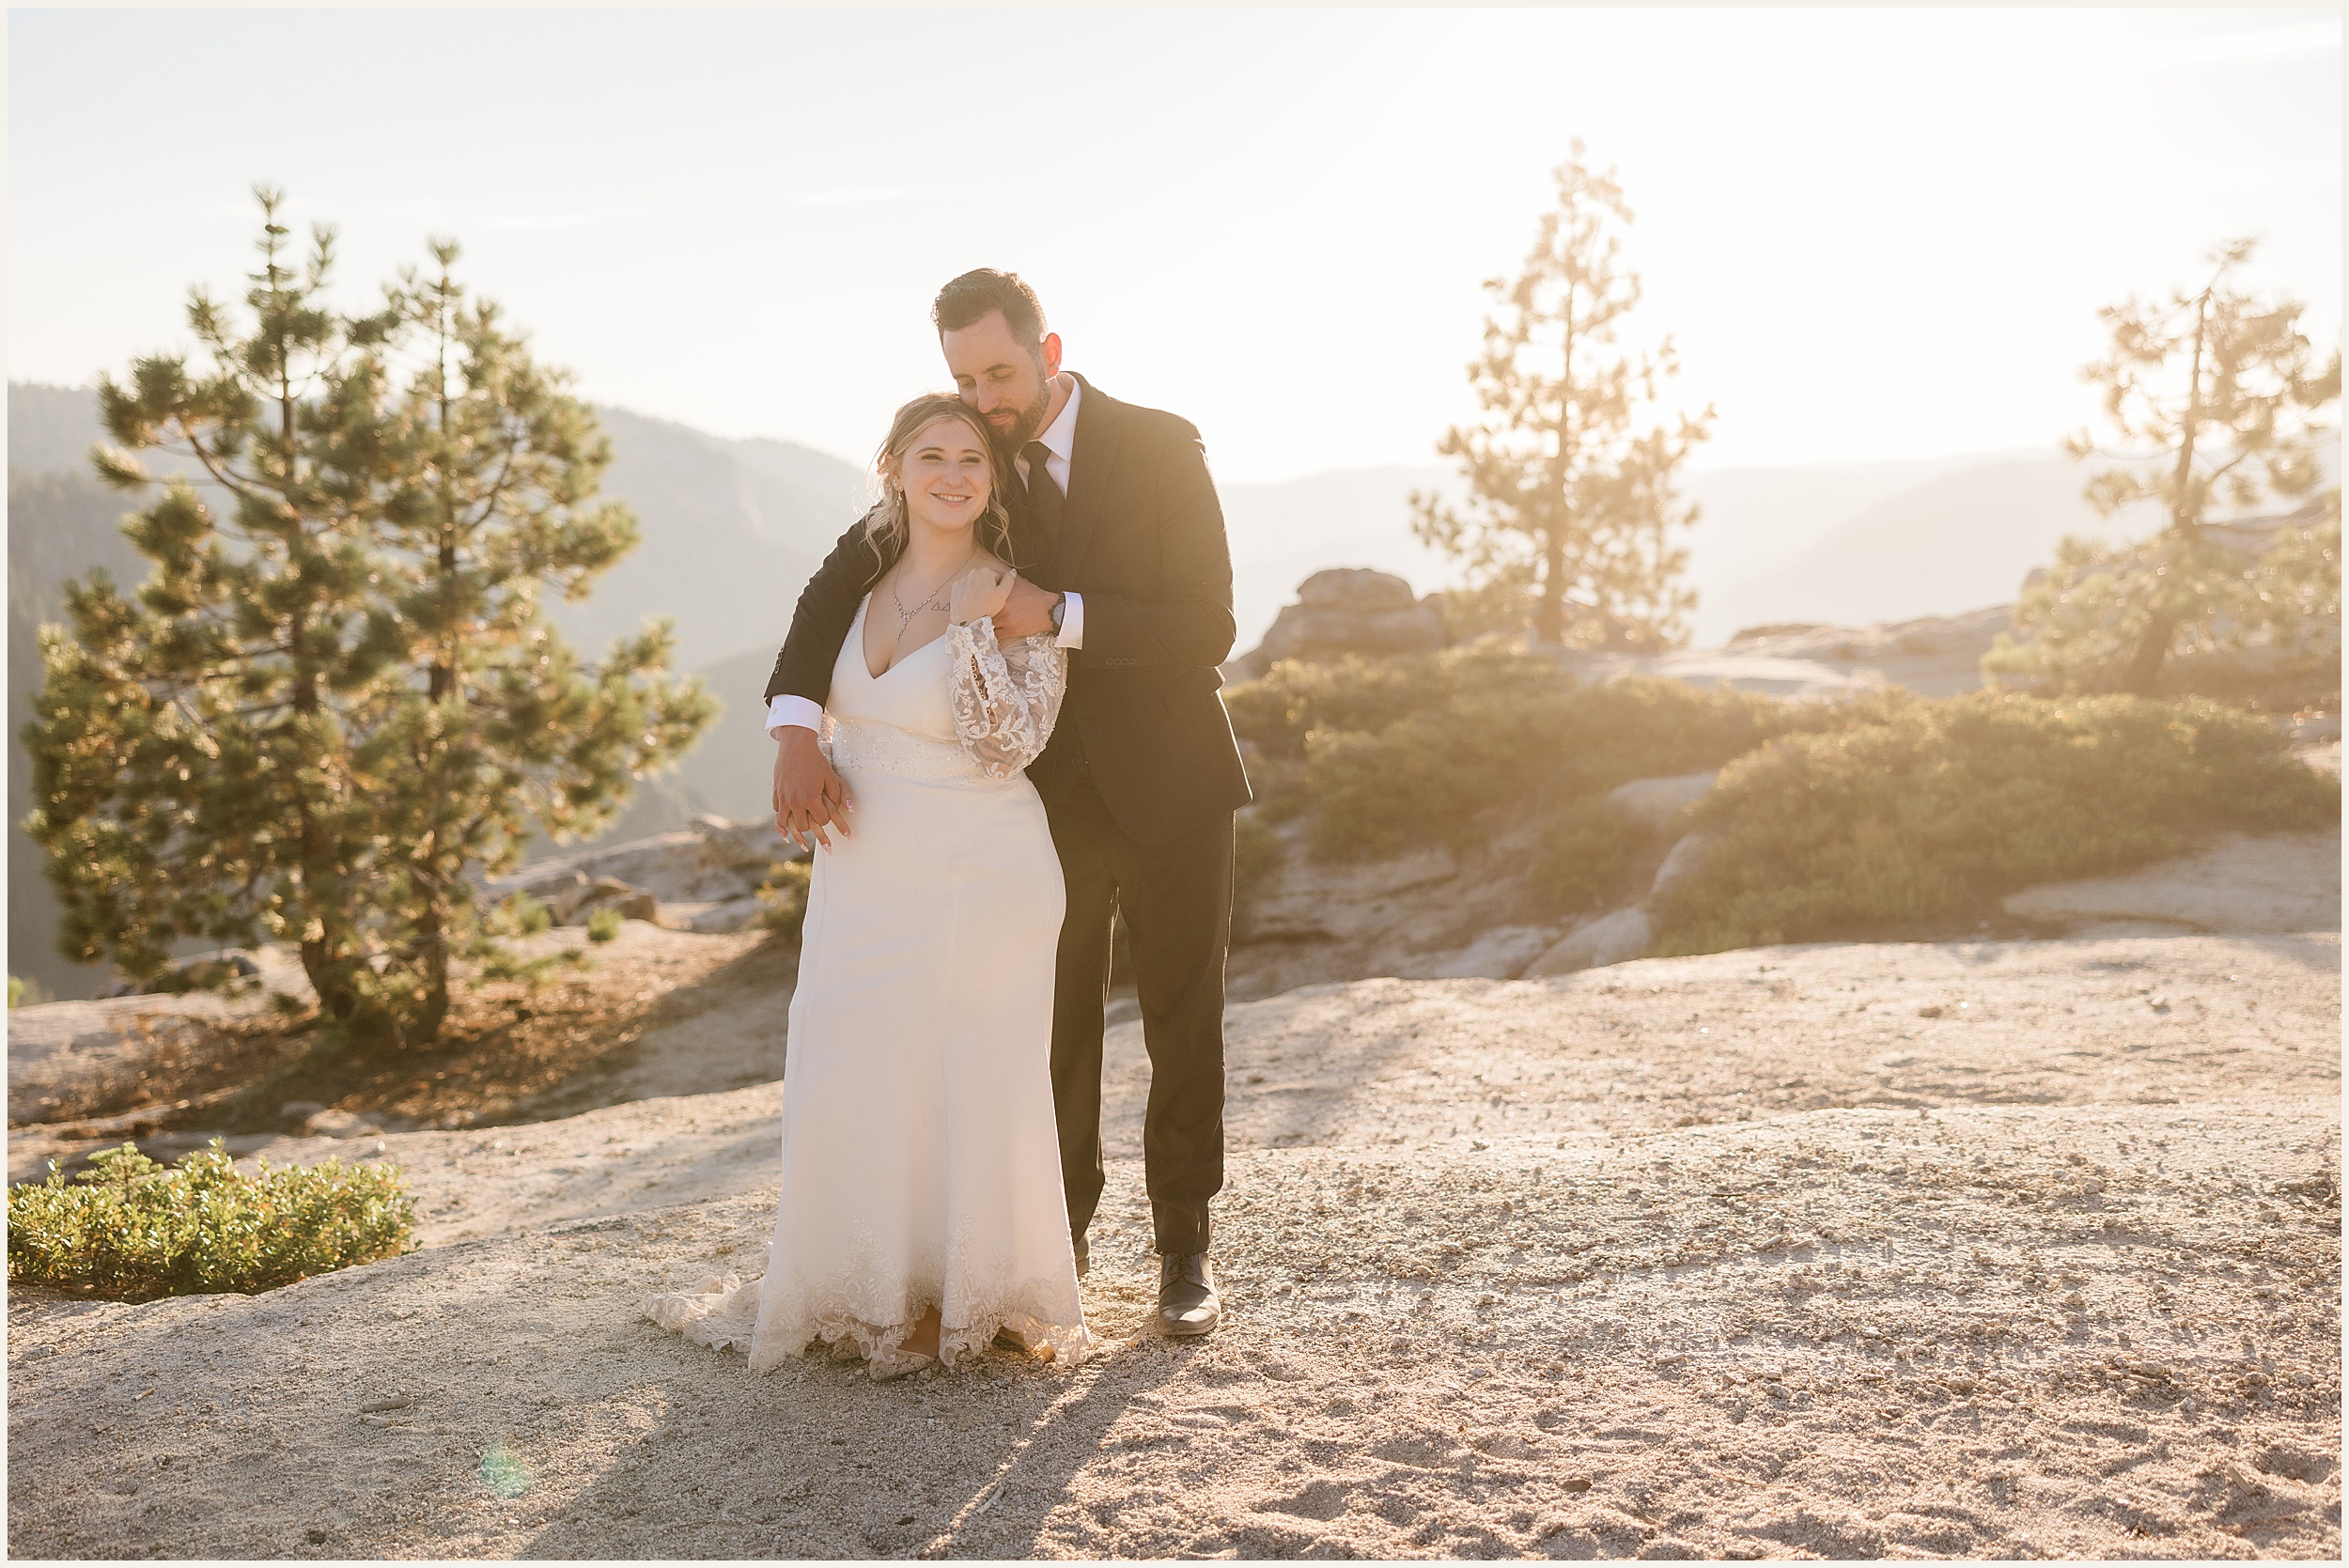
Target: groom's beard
point(1025, 428)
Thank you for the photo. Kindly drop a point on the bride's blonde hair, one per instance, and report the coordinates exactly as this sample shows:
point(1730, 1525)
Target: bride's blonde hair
point(887, 525)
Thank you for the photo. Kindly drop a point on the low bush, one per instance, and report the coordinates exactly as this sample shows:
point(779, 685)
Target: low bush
point(1911, 815)
point(783, 897)
point(133, 1230)
point(605, 924)
point(1256, 857)
point(1427, 748)
point(2265, 626)
point(518, 914)
point(1290, 700)
point(1584, 851)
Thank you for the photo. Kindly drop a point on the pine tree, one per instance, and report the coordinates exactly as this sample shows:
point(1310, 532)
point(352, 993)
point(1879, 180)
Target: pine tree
point(321, 709)
point(1571, 492)
point(2217, 398)
point(192, 745)
point(501, 726)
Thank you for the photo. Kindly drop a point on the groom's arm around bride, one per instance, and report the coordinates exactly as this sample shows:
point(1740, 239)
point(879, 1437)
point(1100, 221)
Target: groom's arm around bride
point(1133, 535)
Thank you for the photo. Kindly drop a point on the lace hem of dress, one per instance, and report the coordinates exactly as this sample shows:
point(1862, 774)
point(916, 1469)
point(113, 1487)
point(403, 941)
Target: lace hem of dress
point(721, 1310)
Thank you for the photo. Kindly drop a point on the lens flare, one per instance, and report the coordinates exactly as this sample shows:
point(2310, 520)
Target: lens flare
point(503, 1473)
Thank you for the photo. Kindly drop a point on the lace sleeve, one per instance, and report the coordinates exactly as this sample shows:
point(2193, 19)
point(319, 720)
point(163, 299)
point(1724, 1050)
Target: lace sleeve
point(1006, 696)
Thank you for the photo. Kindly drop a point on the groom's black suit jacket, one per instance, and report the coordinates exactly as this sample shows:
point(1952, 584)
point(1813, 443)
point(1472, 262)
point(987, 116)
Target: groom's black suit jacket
point(1141, 539)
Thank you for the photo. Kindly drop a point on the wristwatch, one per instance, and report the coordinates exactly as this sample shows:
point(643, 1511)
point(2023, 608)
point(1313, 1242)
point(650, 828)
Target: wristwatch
point(1060, 608)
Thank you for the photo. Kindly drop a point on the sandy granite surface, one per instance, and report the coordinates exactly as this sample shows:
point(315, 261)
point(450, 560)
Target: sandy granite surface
point(2022, 1249)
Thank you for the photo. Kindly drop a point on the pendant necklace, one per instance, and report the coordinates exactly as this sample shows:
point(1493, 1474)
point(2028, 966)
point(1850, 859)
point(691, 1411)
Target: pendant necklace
point(904, 616)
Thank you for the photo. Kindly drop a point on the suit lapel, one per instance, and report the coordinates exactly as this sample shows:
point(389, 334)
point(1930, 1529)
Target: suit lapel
point(1089, 465)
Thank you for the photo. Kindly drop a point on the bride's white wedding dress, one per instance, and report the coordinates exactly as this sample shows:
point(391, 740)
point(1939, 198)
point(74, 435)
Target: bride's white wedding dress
point(921, 1166)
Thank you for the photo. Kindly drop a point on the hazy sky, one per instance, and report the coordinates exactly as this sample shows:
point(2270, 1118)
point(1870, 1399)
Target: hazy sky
point(1873, 233)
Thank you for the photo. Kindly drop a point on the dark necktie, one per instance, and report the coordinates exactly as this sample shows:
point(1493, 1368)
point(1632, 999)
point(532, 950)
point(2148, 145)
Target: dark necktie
point(1045, 502)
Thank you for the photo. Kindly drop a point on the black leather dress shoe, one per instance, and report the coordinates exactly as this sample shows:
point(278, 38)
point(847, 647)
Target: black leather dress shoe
point(1187, 1298)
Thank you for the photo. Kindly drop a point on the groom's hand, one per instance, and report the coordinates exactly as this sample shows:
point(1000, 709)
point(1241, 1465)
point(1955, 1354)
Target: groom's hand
point(809, 795)
point(1027, 614)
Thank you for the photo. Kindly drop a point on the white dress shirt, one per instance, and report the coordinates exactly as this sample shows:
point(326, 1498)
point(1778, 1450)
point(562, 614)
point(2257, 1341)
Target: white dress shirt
point(1060, 443)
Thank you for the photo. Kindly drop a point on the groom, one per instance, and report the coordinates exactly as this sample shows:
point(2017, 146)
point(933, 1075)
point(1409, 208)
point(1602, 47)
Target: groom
point(1119, 542)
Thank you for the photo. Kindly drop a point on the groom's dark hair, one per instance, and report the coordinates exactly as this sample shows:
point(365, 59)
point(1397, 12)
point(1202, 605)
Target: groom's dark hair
point(975, 295)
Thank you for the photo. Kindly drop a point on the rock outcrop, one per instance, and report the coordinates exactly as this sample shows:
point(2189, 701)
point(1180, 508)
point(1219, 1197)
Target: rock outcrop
point(703, 878)
point(1436, 913)
point(1499, 953)
point(1655, 805)
point(1681, 862)
point(1429, 914)
point(1937, 656)
point(1308, 902)
point(1611, 939)
point(1346, 609)
point(2281, 882)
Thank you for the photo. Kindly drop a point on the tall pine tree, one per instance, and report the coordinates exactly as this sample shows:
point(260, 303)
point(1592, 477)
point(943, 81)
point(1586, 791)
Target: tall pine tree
point(193, 744)
point(500, 725)
point(1571, 489)
point(2218, 401)
point(323, 707)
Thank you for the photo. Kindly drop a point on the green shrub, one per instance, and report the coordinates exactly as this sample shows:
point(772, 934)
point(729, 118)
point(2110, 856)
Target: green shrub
point(2086, 620)
point(1431, 778)
point(1256, 857)
point(1278, 709)
point(206, 974)
point(1647, 726)
point(1584, 851)
point(1916, 813)
point(134, 1230)
point(605, 924)
point(1503, 606)
point(1408, 751)
point(782, 896)
point(518, 914)
point(1278, 785)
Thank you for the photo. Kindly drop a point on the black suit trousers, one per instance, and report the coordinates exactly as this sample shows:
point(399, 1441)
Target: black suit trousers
point(1176, 898)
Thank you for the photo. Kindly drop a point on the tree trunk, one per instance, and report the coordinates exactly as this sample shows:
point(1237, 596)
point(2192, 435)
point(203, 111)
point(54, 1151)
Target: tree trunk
point(330, 978)
point(2153, 651)
point(425, 1024)
point(432, 920)
point(323, 959)
point(1550, 614)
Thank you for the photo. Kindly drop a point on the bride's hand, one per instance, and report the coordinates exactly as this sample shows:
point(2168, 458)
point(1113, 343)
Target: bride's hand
point(979, 592)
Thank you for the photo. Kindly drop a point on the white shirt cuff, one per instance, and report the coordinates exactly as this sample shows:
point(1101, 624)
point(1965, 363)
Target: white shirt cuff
point(788, 709)
point(1072, 623)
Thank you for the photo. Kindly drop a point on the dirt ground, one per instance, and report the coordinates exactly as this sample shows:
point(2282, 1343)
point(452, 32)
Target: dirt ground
point(652, 1013)
point(1983, 1249)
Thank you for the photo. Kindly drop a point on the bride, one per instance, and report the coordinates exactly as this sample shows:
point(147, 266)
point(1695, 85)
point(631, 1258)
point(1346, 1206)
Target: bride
point(922, 1211)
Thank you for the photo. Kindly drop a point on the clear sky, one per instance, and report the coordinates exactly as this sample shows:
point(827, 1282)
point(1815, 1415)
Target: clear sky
point(1873, 233)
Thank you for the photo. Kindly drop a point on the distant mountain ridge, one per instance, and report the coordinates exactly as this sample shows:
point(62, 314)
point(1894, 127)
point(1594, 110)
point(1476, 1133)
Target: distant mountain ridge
point(732, 529)
point(1751, 521)
point(1961, 541)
